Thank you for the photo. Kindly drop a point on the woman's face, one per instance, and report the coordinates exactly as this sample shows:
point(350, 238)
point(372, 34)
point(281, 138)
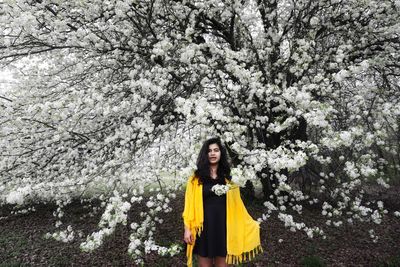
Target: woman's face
point(214, 154)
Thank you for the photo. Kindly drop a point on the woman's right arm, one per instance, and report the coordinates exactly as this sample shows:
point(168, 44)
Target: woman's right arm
point(187, 236)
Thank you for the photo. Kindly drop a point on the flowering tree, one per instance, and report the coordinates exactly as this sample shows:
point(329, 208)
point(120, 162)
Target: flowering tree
point(113, 95)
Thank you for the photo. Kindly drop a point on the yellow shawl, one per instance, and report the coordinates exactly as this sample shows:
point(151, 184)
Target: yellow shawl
point(243, 233)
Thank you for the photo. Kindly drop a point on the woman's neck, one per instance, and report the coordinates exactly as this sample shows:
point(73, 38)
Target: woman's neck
point(213, 171)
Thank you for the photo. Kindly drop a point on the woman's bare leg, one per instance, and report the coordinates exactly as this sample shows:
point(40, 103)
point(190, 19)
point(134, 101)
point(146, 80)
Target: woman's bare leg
point(204, 261)
point(220, 262)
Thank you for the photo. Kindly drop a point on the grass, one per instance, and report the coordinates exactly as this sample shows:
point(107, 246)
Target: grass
point(11, 264)
point(312, 261)
point(393, 261)
point(18, 243)
point(22, 243)
point(17, 240)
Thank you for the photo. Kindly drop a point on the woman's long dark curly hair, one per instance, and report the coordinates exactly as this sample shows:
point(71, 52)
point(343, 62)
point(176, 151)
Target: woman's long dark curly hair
point(203, 164)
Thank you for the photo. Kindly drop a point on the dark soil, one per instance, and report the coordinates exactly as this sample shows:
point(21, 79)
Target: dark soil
point(22, 242)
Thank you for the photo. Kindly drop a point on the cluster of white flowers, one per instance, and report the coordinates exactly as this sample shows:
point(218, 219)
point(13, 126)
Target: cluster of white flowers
point(288, 220)
point(115, 213)
point(18, 195)
point(241, 174)
point(283, 158)
point(376, 217)
point(188, 53)
point(293, 226)
point(277, 127)
point(298, 208)
point(382, 182)
point(337, 223)
point(317, 114)
point(15, 197)
point(298, 195)
point(199, 109)
point(373, 236)
point(284, 186)
point(141, 237)
point(220, 189)
point(300, 98)
point(257, 158)
point(351, 170)
point(368, 169)
point(23, 210)
point(313, 201)
point(270, 208)
point(65, 236)
point(95, 240)
point(325, 207)
point(361, 212)
point(59, 213)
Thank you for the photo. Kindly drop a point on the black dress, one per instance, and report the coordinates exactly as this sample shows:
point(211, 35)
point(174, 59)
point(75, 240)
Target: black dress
point(212, 240)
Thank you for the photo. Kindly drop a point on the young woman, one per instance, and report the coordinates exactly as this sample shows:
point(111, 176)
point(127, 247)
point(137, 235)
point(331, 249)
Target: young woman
point(217, 226)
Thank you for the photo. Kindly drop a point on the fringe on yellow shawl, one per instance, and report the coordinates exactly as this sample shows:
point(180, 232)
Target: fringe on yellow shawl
point(243, 233)
point(244, 257)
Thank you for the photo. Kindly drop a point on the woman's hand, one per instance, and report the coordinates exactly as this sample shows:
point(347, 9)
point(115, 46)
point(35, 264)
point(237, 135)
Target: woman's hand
point(188, 237)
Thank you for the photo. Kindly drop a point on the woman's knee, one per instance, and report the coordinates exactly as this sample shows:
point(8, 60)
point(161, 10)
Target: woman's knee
point(220, 262)
point(205, 262)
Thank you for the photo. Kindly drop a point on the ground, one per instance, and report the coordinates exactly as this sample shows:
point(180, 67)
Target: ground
point(22, 242)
